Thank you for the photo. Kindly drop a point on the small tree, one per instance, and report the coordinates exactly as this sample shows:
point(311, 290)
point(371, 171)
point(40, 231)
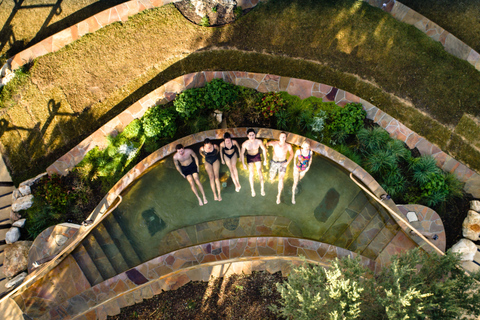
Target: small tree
point(414, 286)
point(313, 292)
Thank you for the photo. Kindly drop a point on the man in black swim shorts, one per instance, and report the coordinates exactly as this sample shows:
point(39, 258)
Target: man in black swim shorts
point(186, 162)
point(252, 146)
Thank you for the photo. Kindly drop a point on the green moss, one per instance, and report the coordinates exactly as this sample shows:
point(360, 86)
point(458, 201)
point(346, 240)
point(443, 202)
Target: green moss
point(464, 152)
point(469, 129)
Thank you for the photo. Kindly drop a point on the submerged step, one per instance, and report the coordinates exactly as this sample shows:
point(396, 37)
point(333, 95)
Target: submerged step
point(110, 248)
point(87, 265)
point(121, 241)
point(99, 258)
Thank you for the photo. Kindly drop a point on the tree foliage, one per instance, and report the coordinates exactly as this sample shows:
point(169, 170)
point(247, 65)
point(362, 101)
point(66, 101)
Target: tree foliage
point(414, 286)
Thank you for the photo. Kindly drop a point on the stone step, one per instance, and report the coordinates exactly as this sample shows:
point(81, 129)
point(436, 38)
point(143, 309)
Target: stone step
point(368, 234)
point(376, 246)
point(344, 220)
point(87, 265)
point(4, 190)
point(99, 258)
point(123, 244)
point(5, 215)
point(110, 248)
point(356, 226)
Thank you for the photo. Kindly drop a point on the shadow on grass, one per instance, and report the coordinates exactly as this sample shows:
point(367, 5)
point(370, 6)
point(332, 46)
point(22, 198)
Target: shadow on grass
point(7, 35)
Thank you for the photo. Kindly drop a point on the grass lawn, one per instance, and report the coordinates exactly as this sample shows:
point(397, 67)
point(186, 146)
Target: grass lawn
point(459, 17)
point(347, 44)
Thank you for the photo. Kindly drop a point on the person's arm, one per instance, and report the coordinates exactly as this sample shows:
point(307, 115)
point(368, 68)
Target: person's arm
point(196, 160)
point(221, 152)
point(235, 143)
point(309, 161)
point(290, 151)
point(264, 152)
point(242, 153)
point(177, 165)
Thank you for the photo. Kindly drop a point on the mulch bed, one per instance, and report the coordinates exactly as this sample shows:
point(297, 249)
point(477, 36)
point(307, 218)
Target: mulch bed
point(234, 297)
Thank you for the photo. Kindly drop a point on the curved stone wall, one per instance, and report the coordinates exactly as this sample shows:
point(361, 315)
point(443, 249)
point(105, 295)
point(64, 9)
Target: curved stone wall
point(175, 269)
point(122, 11)
point(265, 83)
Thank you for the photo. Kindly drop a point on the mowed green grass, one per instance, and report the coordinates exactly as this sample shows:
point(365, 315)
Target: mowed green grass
point(460, 17)
point(347, 44)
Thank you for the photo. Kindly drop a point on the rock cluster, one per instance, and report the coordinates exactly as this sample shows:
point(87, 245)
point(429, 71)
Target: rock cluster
point(471, 232)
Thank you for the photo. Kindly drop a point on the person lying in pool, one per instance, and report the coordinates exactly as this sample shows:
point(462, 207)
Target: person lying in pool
point(186, 162)
point(279, 162)
point(229, 152)
point(252, 146)
point(303, 161)
point(209, 152)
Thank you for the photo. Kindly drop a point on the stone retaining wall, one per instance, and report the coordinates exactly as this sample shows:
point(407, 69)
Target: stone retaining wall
point(122, 11)
point(264, 83)
point(197, 263)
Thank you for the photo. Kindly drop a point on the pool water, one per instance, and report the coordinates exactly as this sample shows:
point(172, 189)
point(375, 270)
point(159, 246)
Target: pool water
point(161, 201)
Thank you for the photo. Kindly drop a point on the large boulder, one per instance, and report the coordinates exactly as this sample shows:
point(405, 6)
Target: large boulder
point(16, 258)
point(22, 203)
point(12, 235)
point(24, 190)
point(475, 205)
point(32, 181)
point(466, 248)
point(19, 223)
point(471, 226)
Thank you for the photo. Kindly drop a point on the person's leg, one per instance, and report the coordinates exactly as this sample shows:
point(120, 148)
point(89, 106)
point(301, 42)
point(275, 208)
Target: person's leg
point(234, 172)
point(281, 175)
point(211, 177)
point(273, 170)
point(295, 182)
point(192, 185)
point(251, 170)
point(200, 187)
point(258, 165)
point(216, 172)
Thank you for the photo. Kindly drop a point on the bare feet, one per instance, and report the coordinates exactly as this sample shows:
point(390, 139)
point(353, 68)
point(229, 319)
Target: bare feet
point(263, 193)
point(278, 199)
point(215, 198)
point(293, 200)
point(237, 189)
point(219, 198)
point(205, 201)
point(200, 202)
point(253, 193)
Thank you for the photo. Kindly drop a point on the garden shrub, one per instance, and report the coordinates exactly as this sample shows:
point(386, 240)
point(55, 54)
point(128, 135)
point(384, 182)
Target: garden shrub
point(220, 95)
point(189, 101)
point(133, 131)
point(347, 120)
point(415, 285)
point(57, 199)
point(270, 104)
point(159, 122)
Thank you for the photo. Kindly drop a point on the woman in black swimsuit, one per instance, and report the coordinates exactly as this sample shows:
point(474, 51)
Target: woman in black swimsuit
point(229, 150)
point(209, 152)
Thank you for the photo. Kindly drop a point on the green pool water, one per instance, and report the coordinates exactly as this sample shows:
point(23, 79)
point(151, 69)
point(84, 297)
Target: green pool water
point(330, 207)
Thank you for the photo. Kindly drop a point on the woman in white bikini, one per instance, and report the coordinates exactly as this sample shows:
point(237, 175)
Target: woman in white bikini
point(229, 151)
point(303, 161)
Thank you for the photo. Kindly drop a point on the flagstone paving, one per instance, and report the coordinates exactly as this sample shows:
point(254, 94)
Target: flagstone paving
point(56, 298)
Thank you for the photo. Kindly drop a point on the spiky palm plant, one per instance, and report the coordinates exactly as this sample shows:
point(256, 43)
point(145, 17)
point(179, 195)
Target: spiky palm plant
point(381, 161)
point(421, 169)
point(370, 140)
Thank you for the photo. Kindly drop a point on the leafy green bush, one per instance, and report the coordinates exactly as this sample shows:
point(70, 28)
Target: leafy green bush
point(414, 285)
point(371, 140)
point(220, 95)
point(422, 169)
point(348, 119)
point(189, 101)
point(270, 104)
point(159, 122)
point(134, 130)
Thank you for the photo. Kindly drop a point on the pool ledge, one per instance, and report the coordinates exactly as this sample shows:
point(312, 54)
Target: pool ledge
point(196, 263)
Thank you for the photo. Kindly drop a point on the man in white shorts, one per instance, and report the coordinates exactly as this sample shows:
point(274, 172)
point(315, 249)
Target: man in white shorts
point(279, 160)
